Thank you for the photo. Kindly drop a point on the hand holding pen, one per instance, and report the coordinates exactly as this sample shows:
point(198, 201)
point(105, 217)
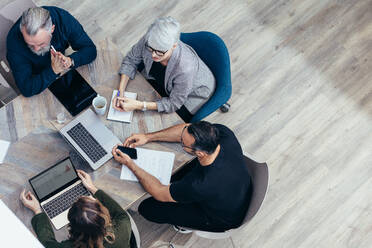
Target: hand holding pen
point(116, 101)
point(66, 61)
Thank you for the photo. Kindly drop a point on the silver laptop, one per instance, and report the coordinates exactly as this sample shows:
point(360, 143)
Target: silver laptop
point(91, 138)
point(57, 188)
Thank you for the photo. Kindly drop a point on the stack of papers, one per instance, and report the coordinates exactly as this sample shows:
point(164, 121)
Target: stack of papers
point(115, 115)
point(157, 163)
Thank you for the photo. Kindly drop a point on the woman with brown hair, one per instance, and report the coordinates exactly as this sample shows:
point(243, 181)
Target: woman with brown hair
point(95, 222)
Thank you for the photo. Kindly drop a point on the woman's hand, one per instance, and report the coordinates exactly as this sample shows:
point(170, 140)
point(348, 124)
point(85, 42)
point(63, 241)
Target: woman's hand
point(137, 139)
point(87, 181)
point(116, 103)
point(128, 104)
point(29, 200)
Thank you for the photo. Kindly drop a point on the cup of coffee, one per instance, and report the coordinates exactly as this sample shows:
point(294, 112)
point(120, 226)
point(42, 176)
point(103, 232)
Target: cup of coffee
point(99, 104)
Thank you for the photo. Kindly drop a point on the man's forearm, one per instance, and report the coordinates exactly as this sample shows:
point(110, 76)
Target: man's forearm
point(150, 183)
point(170, 134)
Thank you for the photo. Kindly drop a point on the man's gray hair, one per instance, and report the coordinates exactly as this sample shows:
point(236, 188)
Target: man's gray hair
point(35, 18)
point(163, 33)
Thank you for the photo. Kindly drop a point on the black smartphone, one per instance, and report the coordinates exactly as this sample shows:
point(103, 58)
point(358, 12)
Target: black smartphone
point(131, 152)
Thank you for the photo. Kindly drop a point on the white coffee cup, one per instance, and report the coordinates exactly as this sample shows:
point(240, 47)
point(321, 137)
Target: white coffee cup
point(99, 104)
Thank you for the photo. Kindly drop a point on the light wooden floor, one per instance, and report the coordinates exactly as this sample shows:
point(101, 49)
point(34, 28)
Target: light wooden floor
point(302, 101)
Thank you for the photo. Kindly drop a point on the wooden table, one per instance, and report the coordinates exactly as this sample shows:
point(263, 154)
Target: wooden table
point(30, 124)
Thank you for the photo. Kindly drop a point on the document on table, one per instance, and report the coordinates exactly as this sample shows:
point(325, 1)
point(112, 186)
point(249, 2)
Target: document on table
point(157, 163)
point(115, 115)
point(14, 232)
point(4, 145)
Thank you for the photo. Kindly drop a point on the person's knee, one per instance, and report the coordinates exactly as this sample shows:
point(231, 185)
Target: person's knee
point(143, 206)
point(146, 209)
point(151, 210)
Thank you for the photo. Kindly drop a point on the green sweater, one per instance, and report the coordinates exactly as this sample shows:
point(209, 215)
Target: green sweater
point(119, 217)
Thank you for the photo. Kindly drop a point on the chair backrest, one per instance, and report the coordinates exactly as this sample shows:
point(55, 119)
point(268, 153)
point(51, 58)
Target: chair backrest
point(260, 182)
point(14, 10)
point(213, 51)
point(259, 173)
point(135, 232)
point(8, 16)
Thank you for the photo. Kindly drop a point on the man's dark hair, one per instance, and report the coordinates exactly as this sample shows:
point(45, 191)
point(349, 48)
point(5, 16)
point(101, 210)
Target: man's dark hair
point(206, 136)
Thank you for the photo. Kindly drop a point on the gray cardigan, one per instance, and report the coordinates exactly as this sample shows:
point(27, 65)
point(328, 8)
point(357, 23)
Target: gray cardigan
point(188, 80)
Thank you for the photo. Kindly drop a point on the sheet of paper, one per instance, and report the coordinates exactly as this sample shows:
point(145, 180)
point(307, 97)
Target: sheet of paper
point(157, 163)
point(4, 145)
point(115, 115)
point(13, 232)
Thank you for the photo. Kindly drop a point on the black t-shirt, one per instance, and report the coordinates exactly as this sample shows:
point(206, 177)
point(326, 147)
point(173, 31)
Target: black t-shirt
point(158, 72)
point(222, 189)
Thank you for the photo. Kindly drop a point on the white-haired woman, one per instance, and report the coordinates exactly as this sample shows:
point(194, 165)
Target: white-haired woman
point(173, 68)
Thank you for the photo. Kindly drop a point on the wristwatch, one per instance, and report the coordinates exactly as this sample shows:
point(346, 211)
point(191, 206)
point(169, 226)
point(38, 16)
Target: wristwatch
point(144, 106)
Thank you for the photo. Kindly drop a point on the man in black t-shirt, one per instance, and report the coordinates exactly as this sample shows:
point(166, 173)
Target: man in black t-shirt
point(214, 193)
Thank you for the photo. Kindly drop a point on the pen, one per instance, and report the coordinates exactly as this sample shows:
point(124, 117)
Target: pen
point(117, 100)
point(54, 50)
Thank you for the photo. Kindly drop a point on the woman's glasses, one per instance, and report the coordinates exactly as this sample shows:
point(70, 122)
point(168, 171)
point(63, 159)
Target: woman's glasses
point(157, 52)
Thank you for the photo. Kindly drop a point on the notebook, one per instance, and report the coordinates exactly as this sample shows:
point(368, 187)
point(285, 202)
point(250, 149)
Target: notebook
point(157, 163)
point(115, 115)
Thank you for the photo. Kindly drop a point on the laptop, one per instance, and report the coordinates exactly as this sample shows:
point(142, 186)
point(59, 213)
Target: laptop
point(73, 91)
point(90, 138)
point(57, 188)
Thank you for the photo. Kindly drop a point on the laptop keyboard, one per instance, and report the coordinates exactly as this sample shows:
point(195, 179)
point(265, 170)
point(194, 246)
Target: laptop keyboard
point(65, 200)
point(87, 142)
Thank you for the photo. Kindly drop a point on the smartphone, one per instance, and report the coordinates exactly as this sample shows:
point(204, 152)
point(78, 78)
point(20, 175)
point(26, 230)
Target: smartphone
point(131, 152)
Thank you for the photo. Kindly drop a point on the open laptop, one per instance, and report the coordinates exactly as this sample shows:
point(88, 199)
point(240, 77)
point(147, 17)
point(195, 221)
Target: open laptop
point(90, 138)
point(73, 91)
point(57, 188)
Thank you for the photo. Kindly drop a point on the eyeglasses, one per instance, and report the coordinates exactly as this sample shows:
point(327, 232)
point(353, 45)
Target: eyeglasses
point(182, 144)
point(157, 52)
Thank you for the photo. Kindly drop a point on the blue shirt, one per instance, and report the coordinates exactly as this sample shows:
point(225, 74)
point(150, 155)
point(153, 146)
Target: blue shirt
point(34, 73)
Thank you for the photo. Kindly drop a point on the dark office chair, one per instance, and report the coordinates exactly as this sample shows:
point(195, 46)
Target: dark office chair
point(213, 51)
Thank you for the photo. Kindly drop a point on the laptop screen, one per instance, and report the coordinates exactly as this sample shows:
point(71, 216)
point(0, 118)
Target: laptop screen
point(54, 179)
point(73, 92)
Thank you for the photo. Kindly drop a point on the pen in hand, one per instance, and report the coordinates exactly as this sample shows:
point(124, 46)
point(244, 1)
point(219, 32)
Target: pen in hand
point(117, 100)
point(56, 53)
point(54, 50)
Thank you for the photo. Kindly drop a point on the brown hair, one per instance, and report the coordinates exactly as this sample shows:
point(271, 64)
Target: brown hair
point(90, 223)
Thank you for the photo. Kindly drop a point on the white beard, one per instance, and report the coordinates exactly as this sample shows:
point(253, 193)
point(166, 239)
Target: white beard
point(42, 51)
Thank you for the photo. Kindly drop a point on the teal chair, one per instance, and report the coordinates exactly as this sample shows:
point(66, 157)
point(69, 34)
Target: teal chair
point(213, 51)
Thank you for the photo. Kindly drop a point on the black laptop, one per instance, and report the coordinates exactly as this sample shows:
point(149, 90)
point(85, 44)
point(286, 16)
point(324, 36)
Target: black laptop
point(73, 92)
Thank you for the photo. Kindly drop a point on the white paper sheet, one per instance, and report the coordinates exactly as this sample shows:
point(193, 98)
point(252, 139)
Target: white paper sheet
point(115, 115)
point(14, 232)
point(157, 163)
point(4, 145)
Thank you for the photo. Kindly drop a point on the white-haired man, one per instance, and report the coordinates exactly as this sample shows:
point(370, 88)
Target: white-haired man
point(35, 65)
point(173, 68)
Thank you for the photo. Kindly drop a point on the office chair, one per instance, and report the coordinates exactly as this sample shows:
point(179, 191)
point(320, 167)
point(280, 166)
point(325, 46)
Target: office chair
point(135, 241)
point(9, 14)
point(259, 173)
point(213, 51)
